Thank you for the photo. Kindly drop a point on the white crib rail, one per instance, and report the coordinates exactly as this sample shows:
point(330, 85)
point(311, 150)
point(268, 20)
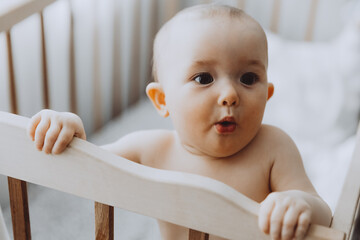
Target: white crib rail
point(20, 11)
point(90, 172)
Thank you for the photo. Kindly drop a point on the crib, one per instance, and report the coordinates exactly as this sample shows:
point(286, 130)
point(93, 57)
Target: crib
point(174, 197)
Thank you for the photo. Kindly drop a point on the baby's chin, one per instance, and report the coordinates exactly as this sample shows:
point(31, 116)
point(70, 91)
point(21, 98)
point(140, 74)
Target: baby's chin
point(215, 146)
point(209, 151)
point(220, 151)
point(223, 154)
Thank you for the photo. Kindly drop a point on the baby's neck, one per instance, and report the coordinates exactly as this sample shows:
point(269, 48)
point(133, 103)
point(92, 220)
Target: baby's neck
point(196, 151)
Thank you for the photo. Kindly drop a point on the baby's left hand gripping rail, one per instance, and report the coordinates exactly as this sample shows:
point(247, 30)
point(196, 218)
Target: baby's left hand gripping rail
point(88, 171)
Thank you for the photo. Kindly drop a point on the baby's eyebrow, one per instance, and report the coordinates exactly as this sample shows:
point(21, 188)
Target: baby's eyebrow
point(197, 63)
point(256, 62)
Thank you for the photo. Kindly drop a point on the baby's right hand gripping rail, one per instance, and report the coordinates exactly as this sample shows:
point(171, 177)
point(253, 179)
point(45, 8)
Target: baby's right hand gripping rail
point(88, 171)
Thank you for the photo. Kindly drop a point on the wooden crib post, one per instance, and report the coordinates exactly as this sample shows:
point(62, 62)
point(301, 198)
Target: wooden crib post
point(19, 209)
point(104, 222)
point(17, 188)
point(196, 235)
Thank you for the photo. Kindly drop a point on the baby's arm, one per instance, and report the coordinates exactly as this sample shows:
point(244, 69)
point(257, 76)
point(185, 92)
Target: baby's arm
point(53, 131)
point(293, 204)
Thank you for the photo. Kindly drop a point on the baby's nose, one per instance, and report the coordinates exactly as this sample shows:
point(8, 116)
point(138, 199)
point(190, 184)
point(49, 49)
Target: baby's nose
point(228, 96)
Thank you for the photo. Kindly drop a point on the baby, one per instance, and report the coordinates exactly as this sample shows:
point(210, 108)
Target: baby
point(210, 66)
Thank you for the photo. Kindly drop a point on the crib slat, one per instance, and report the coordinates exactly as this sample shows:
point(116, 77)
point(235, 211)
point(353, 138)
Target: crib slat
point(134, 81)
point(275, 16)
point(72, 73)
point(98, 120)
point(104, 222)
point(116, 83)
point(153, 25)
point(311, 20)
point(46, 102)
point(172, 7)
point(241, 4)
point(12, 86)
point(19, 209)
point(196, 235)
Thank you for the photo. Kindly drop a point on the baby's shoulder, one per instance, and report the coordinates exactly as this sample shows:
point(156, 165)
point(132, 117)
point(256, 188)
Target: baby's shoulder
point(273, 131)
point(145, 140)
point(273, 137)
point(137, 146)
point(150, 137)
point(151, 145)
point(277, 144)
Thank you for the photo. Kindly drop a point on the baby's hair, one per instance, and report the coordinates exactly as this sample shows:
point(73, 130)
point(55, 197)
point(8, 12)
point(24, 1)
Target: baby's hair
point(200, 11)
point(213, 10)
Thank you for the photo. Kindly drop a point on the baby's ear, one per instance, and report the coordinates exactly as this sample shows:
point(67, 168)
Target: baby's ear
point(270, 90)
point(157, 96)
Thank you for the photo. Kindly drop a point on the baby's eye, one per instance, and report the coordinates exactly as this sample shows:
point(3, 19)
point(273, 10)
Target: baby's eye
point(249, 78)
point(203, 78)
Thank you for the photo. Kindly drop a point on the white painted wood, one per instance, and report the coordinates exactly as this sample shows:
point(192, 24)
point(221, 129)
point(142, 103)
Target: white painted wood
point(344, 215)
point(88, 171)
point(20, 11)
point(4, 234)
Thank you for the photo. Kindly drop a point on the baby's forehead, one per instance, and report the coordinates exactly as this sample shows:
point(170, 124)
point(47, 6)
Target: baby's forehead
point(214, 11)
point(189, 17)
point(168, 36)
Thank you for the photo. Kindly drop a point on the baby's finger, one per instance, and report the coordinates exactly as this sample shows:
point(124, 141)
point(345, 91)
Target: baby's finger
point(289, 223)
point(64, 138)
point(266, 208)
point(40, 132)
point(51, 137)
point(276, 220)
point(33, 123)
point(303, 224)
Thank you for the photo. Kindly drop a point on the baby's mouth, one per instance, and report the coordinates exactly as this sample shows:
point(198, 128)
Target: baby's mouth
point(226, 125)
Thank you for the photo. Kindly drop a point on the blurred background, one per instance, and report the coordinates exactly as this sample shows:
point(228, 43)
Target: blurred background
point(113, 39)
point(99, 62)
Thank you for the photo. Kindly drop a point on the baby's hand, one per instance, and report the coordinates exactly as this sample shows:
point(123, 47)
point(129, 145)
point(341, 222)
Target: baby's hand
point(53, 131)
point(284, 216)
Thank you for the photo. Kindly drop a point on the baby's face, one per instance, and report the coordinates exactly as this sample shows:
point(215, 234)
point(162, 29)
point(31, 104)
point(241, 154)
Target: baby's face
point(213, 74)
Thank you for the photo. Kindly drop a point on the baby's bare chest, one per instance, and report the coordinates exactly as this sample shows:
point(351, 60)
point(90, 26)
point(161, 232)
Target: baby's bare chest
point(247, 174)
